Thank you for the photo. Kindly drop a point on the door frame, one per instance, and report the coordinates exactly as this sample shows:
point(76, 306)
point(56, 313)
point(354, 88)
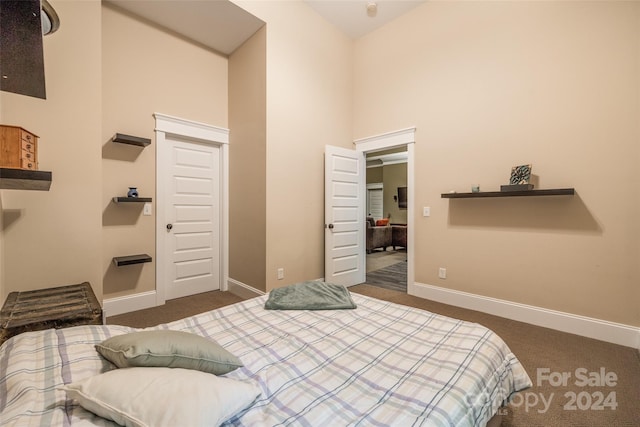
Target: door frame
point(402, 137)
point(202, 133)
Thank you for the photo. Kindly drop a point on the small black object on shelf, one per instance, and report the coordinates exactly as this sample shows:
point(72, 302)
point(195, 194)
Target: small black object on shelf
point(132, 199)
point(516, 187)
point(120, 261)
point(23, 179)
point(131, 140)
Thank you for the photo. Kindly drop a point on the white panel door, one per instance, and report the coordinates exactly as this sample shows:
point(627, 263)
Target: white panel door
point(193, 218)
point(344, 216)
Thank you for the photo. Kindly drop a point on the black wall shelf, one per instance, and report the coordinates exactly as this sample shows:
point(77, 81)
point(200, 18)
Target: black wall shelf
point(523, 193)
point(131, 140)
point(22, 179)
point(132, 199)
point(120, 261)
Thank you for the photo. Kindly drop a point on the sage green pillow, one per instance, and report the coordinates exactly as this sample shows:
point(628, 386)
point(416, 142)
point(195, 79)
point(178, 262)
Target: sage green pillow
point(170, 349)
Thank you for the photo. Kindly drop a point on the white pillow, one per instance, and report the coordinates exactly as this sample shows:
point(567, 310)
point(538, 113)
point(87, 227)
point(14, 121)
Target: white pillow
point(162, 396)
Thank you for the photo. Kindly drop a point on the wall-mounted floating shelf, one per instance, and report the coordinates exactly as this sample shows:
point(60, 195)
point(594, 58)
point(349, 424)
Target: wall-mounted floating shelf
point(132, 199)
point(523, 193)
point(131, 140)
point(22, 179)
point(119, 261)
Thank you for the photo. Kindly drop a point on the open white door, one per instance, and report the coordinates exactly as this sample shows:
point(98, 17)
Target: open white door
point(344, 180)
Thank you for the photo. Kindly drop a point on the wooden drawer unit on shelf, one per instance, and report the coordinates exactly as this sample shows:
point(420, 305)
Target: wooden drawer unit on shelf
point(18, 148)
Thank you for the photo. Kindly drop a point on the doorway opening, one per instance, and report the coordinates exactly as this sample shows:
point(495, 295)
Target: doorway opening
point(386, 221)
point(391, 150)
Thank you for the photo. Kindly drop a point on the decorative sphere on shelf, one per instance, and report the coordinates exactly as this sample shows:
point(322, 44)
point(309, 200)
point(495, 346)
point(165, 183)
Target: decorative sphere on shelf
point(133, 192)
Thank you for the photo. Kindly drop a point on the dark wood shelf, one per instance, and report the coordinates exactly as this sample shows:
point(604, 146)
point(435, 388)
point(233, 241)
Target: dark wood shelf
point(131, 140)
point(523, 193)
point(21, 179)
point(132, 199)
point(119, 261)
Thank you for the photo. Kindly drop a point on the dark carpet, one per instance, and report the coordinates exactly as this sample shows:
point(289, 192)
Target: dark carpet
point(175, 309)
point(393, 277)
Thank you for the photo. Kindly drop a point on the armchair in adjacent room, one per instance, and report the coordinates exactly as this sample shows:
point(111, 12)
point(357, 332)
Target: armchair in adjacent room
point(378, 236)
point(399, 236)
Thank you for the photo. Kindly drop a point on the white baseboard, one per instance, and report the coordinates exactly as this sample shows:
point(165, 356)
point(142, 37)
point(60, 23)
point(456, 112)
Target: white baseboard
point(128, 303)
point(603, 330)
point(242, 290)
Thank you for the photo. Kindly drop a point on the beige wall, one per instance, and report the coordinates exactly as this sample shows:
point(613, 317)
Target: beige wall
point(53, 238)
point(395, 176)
point(391, 176)
point(248, 162)
point(106, 76)
point(103, 77)
point(145, 70)
point(374, 175)
point(309, 104)
point(490, 85)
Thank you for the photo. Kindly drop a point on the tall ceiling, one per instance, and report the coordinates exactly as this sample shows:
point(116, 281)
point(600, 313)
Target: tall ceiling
point(223, 26)
point(217, 24)
point(353, 16)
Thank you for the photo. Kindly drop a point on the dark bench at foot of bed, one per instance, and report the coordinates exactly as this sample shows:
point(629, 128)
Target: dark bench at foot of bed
point(58, 307)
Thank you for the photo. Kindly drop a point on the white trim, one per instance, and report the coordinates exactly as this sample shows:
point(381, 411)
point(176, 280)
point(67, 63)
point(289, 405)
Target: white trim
point(224, 220)
point(411, 218)
point(243, 290)
point(189, 128)
point(386, 140)
point(394, 162)
point(205, 133)
point(602, 330)
point(388, 159)
point(128, 303)
point(390, 140)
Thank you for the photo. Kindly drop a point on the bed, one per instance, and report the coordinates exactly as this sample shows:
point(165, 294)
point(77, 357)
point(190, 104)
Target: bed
point(380, 364)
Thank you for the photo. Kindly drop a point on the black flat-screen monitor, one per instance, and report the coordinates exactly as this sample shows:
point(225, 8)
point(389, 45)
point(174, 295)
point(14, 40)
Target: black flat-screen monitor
point(402, 197)
point(21, 50)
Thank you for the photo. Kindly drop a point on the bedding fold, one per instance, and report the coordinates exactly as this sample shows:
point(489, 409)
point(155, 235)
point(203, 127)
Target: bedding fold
point(310, 295)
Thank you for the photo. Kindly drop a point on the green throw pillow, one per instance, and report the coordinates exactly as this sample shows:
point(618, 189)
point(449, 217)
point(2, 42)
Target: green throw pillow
point(171, 349)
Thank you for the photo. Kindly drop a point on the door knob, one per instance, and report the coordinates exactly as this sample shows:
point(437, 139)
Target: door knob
point(169, 227)
point(331, 226)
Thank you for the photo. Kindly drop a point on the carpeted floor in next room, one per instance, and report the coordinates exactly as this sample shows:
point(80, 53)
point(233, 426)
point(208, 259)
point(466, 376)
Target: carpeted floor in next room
point(543, 352)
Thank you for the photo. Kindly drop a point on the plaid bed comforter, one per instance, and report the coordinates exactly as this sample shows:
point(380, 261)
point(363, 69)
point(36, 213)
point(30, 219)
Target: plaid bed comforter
point(381, 364)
